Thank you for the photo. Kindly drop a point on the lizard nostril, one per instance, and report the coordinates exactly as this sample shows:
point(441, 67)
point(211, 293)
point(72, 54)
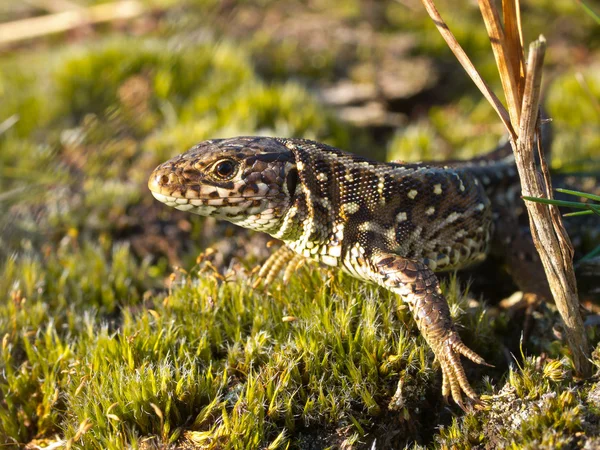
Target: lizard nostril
point(164, 180)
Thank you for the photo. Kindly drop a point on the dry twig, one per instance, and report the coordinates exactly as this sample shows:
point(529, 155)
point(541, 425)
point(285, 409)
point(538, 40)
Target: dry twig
point(549, 235)
point(522, 84)
point(19, 30)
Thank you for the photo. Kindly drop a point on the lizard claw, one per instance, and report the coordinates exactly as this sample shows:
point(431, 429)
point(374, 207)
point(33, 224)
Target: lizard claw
point(283, 259)
point(454, 379)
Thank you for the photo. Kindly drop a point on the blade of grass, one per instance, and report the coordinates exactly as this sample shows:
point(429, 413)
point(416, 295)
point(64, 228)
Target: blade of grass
point(579, 194)
point(589, 11)
point(579, 213)
point(549, 201)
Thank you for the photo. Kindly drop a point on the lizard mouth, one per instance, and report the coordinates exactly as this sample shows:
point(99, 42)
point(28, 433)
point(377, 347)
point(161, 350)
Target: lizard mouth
point(219, 201)
point(225, 207)
point(231, 200)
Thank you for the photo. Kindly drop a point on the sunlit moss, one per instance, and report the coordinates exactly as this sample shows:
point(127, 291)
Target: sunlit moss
point(574, 105)
point(533, 409)
point(465, 129)
point(257, 374)
point(97, 351)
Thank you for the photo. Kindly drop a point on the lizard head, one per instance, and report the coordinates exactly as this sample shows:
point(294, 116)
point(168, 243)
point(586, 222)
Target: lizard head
point(244, 179)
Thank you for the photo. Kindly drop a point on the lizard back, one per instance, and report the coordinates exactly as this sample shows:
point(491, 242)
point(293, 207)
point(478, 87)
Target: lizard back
point(349, 205)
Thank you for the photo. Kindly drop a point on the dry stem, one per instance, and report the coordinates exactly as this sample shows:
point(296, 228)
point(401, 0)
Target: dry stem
point(549, 235)
point(467, 64)
point(522, 89)
point(63, 21)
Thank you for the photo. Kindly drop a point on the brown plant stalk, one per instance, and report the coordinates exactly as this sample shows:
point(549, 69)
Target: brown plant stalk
point(522, 85)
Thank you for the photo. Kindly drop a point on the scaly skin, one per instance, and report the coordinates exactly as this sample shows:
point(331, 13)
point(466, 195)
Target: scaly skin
point(389, 223)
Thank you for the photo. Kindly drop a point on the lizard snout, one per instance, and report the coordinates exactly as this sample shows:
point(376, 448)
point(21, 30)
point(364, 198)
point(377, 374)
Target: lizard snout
point(165, 181)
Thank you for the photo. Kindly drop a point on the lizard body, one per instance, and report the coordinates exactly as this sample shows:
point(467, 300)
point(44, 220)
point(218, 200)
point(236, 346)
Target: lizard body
point(392, 224)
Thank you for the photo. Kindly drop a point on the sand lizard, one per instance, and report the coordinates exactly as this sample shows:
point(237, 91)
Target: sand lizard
point(393, 224)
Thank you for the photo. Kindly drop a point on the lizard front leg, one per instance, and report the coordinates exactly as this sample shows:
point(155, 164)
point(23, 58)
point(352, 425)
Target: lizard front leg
point(419, 287)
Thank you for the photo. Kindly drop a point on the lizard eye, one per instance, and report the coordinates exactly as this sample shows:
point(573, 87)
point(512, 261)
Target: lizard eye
point(225, 169)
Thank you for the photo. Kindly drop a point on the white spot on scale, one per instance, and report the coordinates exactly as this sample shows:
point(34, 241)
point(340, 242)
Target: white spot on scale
point(325, 203)
point(329, 260)
point(223, 192)
point(437, 189)
point(401, 217)
point(366, 226)
point(452, 217)
point(351, 207)
point(429, 211)
point(412, 194)
point(322, 176)
point(335, 251)
point(460, 234)
point(390, 234)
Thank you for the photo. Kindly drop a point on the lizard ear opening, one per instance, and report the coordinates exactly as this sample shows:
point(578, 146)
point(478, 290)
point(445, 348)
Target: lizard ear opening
point(291, 181)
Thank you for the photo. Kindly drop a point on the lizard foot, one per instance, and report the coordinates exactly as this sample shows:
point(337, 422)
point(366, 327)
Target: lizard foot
point(419, 287)
point(454, 379)
point(283, 259)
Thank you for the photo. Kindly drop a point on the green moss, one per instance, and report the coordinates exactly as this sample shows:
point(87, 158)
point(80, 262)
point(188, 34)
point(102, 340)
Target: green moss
point(49, 305)
point(573, 104)
point(459, 131)
point(539, 397)
point(100, 347)
point(235, 367)
point(25, 98)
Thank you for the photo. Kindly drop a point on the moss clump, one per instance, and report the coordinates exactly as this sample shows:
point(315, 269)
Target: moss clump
point(574, 107)
point(51, 303)
point(103, 348)
point(539, 406)
point(459, 131)
point(255, 365)
point(121, 108)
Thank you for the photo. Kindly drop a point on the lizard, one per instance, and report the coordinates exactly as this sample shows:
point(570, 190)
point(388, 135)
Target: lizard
point(393, 224)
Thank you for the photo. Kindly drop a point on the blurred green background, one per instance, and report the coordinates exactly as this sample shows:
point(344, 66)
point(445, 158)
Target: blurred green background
point(116, 333)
